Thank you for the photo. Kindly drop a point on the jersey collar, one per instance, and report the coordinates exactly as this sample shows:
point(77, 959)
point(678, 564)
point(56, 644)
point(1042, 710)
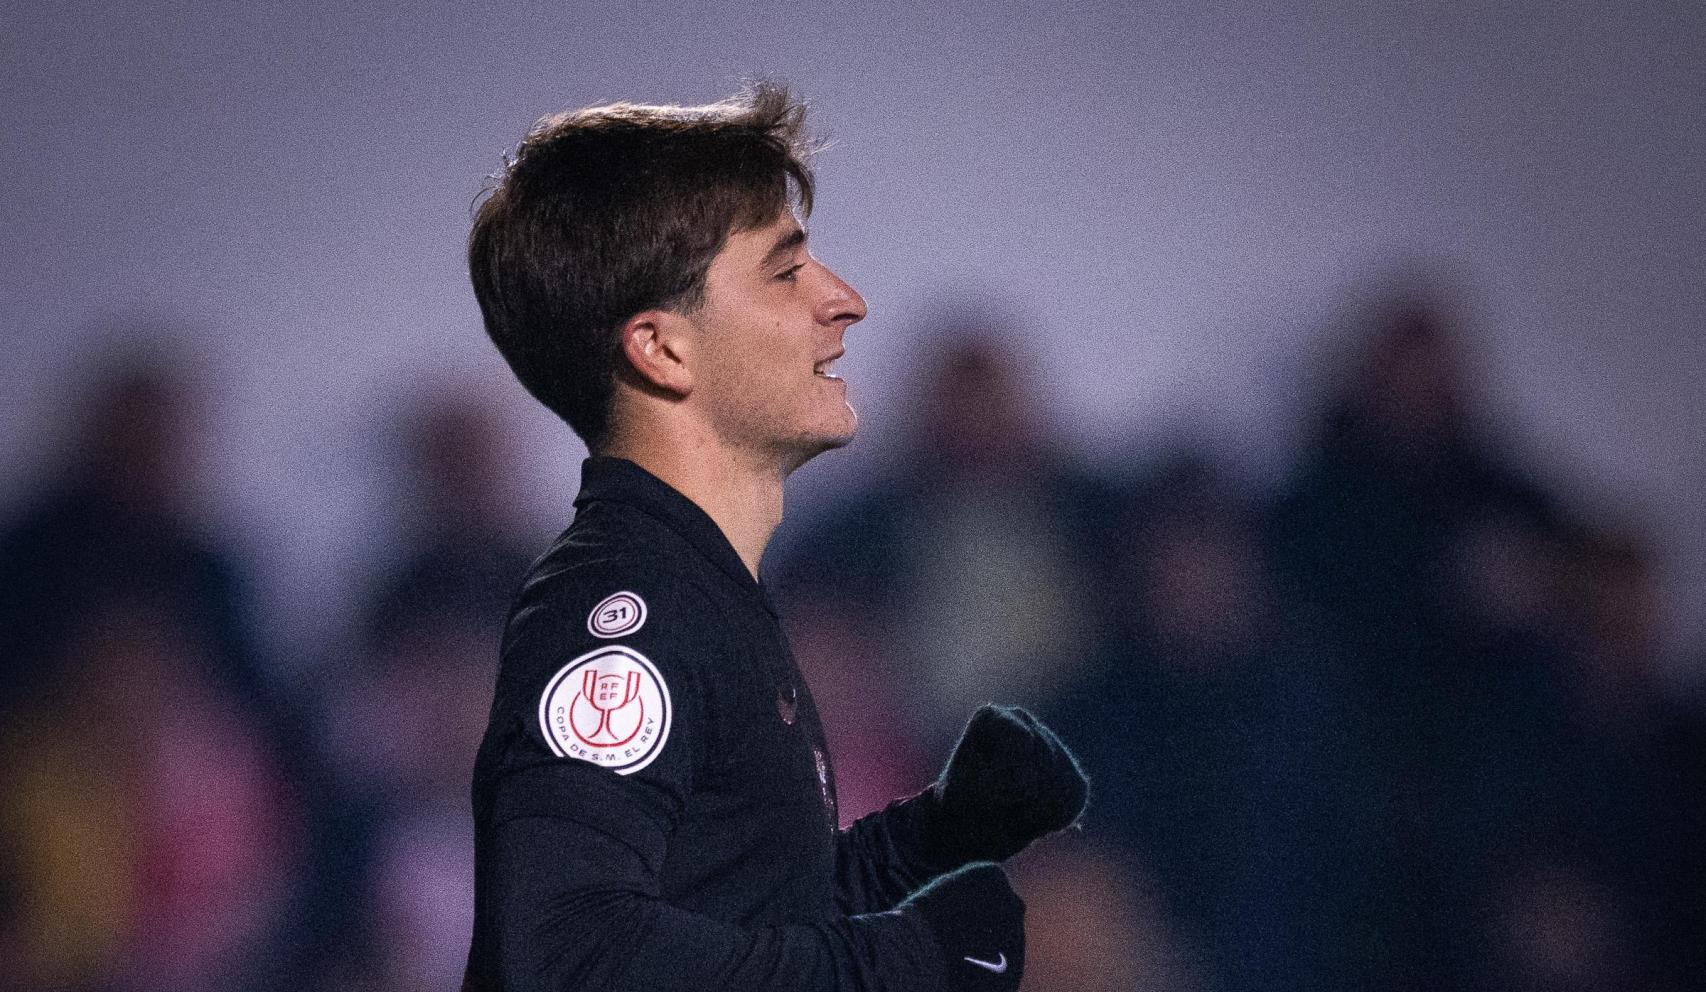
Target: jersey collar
point(622, 481)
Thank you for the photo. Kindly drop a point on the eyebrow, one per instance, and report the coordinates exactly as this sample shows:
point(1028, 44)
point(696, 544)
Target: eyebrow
point(783, 247)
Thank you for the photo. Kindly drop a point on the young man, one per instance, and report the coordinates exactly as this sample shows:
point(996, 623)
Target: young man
point(653, 801)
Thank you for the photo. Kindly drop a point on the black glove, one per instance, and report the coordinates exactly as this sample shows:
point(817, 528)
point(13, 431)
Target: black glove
point(1009, 781)
point(979, 923)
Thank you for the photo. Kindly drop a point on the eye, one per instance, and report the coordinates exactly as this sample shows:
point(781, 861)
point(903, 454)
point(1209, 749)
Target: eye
point(787, 275)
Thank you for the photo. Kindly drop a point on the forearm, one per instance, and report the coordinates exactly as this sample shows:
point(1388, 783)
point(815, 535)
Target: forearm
point(566, 930)
point(887, 854)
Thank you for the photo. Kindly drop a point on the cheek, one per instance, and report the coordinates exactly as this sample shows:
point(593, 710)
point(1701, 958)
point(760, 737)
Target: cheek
point(781, 363)
point(759, 359)
point(760, 377)
point(771, 370)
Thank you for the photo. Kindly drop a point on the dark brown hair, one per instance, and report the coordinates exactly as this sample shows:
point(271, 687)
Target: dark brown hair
point(607, 211)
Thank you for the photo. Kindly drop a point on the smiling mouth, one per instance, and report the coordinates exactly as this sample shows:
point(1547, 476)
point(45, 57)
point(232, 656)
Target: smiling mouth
point(822, 370)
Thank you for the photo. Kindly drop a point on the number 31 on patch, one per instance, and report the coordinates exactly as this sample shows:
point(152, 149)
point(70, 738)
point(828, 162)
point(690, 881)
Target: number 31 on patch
point(617, 614)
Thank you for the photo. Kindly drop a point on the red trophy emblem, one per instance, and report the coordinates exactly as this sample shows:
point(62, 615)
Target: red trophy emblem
point(608, 712)
point(609, 707)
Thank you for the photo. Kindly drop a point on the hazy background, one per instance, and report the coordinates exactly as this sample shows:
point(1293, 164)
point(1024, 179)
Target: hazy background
point(1171, 197)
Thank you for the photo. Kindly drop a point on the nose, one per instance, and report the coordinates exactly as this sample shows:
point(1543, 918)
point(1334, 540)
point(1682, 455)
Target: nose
point(841, 303)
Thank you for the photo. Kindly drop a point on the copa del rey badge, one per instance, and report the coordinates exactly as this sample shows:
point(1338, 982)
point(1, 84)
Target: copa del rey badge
point(609, 707)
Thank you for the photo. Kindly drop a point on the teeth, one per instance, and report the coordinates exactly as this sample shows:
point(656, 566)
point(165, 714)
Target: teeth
point(823, 369)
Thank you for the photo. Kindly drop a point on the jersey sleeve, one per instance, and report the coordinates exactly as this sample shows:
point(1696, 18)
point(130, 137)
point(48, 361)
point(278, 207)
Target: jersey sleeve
point(878, 860)
point(599, 712)
point(577, 910)
point(600, 733)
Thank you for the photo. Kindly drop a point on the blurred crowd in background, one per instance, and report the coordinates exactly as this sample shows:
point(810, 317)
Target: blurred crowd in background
point(1394, 724)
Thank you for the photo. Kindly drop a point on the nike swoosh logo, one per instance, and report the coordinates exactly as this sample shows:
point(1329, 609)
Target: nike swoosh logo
point(998, 966)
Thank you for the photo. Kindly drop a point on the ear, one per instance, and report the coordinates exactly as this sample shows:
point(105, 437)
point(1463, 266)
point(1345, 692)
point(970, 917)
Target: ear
point(659, 347)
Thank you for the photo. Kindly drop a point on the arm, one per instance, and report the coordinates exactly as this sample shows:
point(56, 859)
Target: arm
point(876, 860)
point(577, 908)
point(1009, 781)
point(581, 923)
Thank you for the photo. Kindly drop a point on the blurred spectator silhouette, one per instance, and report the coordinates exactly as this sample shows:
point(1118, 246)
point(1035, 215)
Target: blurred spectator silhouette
point(407, 710)
point(1399, 467)
point(1397, 511)
point(1496, 670)
point(462, 550)
point(977, 548)
point(1202, 723)
point(151, 817)
point(117, 522)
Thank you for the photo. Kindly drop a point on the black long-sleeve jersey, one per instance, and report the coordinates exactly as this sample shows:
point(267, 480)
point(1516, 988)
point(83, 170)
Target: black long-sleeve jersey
point(654, 805)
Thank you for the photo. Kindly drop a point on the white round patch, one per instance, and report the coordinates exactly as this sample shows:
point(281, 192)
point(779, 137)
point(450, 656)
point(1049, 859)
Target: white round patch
point(617, 614)
point(609, 707)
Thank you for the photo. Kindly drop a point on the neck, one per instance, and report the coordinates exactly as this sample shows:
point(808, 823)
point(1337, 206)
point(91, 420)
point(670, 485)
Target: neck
point(743, 499)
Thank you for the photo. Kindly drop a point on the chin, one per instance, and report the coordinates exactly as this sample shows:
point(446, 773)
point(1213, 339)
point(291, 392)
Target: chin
point(843, 436)
point(807, 448)
point(838, 441)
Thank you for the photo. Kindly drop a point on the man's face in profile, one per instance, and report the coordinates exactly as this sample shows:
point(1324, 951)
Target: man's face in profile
point(773, 318)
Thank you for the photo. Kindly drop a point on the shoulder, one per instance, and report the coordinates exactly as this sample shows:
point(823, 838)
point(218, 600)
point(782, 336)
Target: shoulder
point(605, 654)
point(591, 595)
point(630, 611)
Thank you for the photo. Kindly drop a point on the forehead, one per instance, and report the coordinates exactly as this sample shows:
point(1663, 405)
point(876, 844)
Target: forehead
point(755, 245)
